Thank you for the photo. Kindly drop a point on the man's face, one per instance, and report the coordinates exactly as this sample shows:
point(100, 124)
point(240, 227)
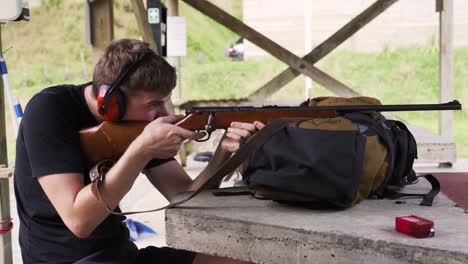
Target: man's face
point(146, 106)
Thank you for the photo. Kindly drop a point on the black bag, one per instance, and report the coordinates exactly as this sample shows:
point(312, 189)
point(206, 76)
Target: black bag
point(335, 161)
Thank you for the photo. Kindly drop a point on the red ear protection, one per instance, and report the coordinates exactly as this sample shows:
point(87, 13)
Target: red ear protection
point(111, 101)
point(113, 107)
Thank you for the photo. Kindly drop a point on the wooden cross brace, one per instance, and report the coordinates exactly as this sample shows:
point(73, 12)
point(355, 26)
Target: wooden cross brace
point(297, 65)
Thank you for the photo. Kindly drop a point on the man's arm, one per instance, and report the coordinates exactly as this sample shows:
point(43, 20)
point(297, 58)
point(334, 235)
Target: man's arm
point(76, 203)
point(171, 179)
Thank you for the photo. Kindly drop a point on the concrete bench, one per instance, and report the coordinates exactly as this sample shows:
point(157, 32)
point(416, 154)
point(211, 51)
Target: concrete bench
point(260, 231)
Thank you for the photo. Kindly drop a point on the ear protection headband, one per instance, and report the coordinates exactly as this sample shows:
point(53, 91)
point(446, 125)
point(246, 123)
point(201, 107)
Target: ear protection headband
point(111, 101)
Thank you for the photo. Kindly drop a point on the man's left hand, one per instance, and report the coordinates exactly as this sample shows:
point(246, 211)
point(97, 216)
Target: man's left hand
point(238, 133)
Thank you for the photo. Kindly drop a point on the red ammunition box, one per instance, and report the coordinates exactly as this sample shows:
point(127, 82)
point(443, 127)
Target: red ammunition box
point(414, 226)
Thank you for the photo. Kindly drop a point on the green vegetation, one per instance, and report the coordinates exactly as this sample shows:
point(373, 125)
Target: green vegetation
point(51, 49)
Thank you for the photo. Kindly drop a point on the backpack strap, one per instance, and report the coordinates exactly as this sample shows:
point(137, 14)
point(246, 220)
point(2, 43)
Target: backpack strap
point(408, 144)
point(382, 130)
point(428, 198)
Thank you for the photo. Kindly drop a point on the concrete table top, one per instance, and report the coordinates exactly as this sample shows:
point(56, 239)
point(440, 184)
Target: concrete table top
point(261, 231)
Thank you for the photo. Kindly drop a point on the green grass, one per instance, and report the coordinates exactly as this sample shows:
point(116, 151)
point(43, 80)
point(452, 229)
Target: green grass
point(48, 50)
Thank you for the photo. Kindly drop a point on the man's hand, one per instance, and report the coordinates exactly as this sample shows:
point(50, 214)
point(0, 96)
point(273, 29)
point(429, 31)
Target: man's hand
point(162, 139)
point(238, 133)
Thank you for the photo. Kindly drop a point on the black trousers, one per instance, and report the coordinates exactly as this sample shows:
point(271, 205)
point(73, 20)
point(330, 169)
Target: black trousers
point(130, 254)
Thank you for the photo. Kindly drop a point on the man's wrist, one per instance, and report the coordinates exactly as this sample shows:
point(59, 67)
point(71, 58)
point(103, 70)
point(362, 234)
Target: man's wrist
point(137, 151)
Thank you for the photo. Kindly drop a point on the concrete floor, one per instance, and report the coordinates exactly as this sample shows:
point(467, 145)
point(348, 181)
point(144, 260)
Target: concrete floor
point(144, 196)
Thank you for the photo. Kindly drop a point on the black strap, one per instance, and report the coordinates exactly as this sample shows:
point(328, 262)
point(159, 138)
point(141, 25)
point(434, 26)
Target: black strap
point(214, 173)
point(232, 191)
point(428, 198)
point(411, 153)
point(401, 156)
point(366, 119)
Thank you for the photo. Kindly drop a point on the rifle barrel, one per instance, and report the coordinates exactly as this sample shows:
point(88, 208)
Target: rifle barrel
point(453, 105)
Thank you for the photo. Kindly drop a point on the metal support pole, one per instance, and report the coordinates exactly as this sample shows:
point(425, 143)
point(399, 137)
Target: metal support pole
point(446, 89)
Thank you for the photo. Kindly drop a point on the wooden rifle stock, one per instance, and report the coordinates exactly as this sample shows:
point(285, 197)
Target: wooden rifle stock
point(109, 140)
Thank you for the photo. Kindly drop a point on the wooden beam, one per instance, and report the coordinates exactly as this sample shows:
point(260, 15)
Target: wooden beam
point(324, 48)
point(270, 46)
point(102, 26)
point(6, 255)
point(143, 24)
point(446, 89)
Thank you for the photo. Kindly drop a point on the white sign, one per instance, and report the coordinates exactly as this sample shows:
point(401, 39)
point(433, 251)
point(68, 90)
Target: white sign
point(10, 9)
point(176, 36)
point(153, 15)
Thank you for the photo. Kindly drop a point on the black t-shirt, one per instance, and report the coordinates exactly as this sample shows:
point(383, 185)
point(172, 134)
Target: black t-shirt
point(48, 143)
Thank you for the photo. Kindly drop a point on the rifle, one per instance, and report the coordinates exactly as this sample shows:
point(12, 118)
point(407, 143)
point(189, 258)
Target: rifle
point(109, 140)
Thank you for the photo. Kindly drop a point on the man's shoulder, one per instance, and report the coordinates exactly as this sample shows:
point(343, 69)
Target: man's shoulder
point(59, 94)
point(59, 90)
point(55, 101)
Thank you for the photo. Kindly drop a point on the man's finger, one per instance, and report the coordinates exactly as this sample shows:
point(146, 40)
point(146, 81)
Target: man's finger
point(187, 134)
point(240, 132)
point(259, 125)
point(246, 126)
point(233, 136)
point(167, 119)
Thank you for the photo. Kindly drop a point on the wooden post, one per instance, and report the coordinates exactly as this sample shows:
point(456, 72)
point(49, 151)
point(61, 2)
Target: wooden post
point(6, 255)
point(3, 140)
point(446, 89)
point(102, 26)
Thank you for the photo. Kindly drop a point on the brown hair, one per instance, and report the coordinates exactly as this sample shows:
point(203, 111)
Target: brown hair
point(153, 74)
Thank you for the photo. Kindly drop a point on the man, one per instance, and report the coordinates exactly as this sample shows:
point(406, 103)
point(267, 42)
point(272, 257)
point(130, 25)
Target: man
point(62, 220)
